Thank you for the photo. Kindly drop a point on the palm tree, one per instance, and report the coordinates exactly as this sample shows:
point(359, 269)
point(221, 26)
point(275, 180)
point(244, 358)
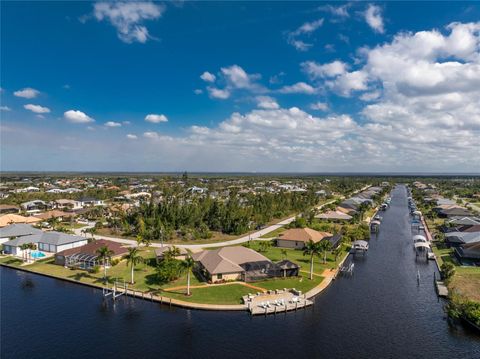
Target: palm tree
point(171, 253)
point(104, 254)
point(313, 249)
point(53, 222)
point(188, 265)
point(325, 246)
point(133, 258)
point(24, 248)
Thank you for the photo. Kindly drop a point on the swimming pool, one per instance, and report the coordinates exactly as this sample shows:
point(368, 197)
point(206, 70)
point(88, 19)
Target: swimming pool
point(37, 254)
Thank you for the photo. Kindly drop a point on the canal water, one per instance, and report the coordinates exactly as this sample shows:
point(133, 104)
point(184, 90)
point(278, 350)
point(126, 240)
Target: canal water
point(379, 312)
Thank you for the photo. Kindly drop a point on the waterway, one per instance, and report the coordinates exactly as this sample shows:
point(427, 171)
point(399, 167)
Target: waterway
point(379, 312)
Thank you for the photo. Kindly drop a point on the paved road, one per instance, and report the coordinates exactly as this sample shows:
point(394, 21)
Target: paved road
point(196, 247)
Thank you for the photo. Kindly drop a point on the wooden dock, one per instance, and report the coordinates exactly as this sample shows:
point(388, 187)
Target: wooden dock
point(277, 301)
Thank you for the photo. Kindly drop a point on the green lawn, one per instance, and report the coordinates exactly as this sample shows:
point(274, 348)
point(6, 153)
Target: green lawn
point(301, 283)
point(443, 254)
point(274, 233)
point(226, 294)
point(145, 279)
point(275, 254)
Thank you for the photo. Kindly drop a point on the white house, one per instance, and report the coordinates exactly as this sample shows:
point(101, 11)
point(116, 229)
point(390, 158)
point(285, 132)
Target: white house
point(46, 241)
point(17, 230)
point(90, 201)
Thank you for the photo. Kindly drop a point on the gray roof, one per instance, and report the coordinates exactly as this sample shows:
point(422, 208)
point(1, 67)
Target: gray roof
point(464, 237)
point(18, 230)
point(228, 259)
point(55, 238)
point(466, 221)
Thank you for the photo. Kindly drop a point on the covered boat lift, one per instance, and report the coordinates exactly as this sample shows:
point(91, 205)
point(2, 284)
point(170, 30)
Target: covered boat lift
point(359, 246)
point(375, 226)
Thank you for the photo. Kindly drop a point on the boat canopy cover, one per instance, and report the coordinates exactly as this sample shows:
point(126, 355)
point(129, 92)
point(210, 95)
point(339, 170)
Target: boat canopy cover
point(375, 222)
point(417, 212)
point(421, 245)
point(419, 237)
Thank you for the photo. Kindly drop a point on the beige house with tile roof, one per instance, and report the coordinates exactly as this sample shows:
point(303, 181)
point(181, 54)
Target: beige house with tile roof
point(297, 237)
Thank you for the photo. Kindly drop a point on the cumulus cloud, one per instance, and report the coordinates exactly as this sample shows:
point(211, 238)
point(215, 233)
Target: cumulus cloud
point(5, 108)
point(217, 93)
point(113, 124)
point(153, 118)
point(75, 116)
point(208, 77)
point(128, 18)
point(131, 136)
point(151, 135)
point(305, 30)
point(299, 87)
point(320, 106)
point(267, 102)
point(27, 92)
point(332, 69)
point(374, 19)
point(37, 108)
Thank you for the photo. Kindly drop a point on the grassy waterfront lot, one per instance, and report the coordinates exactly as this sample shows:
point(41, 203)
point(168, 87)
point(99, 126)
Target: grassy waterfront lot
point(146, 280)
point(466, 280)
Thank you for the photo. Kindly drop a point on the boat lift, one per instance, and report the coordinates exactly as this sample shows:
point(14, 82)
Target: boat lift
point(114, 291)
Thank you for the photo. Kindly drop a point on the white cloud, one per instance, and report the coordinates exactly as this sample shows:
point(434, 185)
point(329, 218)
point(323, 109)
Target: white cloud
point(305, 30)
point(153, 118)
point(267, 102)
point(370, 96)
point(332, 69)
point(373, 17)
point(27, 93)
point(340, 11)
point(320, 106)
point(128, 17)
point(75, 116)
point(299, 87)
point(5, 108)
point(151, 135)
point(348, 82)
point(131, 136)
point(37, 108)
point(113, 124)
point(198, 91)
point(238, 78)
point(221, 94)
point(208, 77)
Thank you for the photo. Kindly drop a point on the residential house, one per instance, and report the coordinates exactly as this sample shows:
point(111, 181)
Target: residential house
point(46, 241)
point(298, 237)
point(336, 216)
point(67, 204)
point(231, 263)
point(90, 201)
point(34, 206)
point(8, 208)
point(7, 219)
point(86, 256)
point(17, 230)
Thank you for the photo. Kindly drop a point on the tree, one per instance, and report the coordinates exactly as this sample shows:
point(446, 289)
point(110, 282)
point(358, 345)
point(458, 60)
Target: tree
point(133, 258)
point(325, 246)
point(143, 239)
point(312, 249)
point(171, 253)
point(284, 253)
point(448, 270)
point(53, 222)
point(24, 247)
point(264, 246)
point(188, 265)
point(104, 254)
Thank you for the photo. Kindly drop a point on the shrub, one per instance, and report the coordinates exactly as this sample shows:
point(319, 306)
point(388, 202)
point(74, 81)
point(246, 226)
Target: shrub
point(114, 262)
point(95, 269)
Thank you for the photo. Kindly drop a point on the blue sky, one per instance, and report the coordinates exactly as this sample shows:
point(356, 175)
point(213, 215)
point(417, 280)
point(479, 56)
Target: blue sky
point(232, 86)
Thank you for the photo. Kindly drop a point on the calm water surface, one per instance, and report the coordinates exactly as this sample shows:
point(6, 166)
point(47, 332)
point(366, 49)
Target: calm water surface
point(380, 312)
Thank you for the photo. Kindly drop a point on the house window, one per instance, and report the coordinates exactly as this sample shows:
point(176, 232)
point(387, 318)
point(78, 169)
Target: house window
point(219, 276)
